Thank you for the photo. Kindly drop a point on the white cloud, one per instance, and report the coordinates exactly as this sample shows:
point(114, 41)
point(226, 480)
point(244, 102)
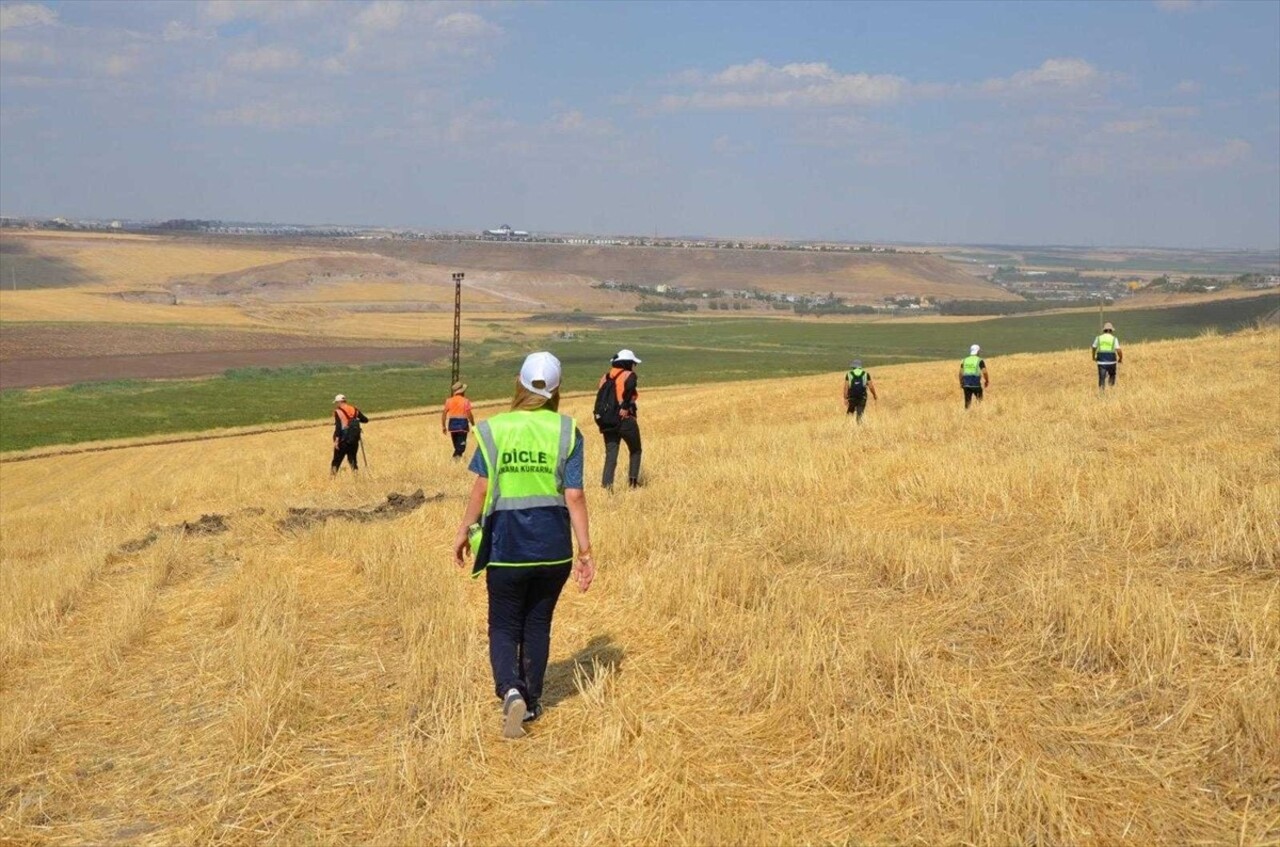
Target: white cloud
point(1053, 76)
point(466, 25)
point(381, 15)
point(761, 85)
point(1179, 7)
point(808, 85)
point(576, 123)
point(122, 64)
point(17, 15)
point(1130, 127)
point(1188, 87)
point(1230, 152)
point(266, 59)
point(274, 114)
point(26, 53)
point(176, 31)
point(218, 12)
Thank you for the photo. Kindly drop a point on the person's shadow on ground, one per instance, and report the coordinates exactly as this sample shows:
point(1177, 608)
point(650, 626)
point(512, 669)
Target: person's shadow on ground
point(559, 682)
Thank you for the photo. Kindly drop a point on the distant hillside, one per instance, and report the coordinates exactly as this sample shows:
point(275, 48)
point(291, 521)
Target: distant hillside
point(857, 276)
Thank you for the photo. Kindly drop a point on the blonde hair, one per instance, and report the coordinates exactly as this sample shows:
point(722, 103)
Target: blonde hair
point(526, 401)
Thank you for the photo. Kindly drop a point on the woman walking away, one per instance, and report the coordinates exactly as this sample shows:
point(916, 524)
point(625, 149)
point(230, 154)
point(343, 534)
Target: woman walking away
point(525, 509)
point(456, 420)
point(615, 415)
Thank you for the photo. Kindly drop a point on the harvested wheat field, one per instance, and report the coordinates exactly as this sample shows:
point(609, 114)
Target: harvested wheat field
point(1054, 619)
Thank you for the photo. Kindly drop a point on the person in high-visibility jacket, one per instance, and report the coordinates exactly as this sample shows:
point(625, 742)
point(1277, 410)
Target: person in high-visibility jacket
point(1107, 354)
point(457, 419)
point(526, 508)
point(973, 375)
point(346, 434)
point(857, 382)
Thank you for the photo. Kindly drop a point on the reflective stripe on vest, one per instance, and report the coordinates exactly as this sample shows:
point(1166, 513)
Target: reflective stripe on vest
point(971, 366)
point(541, 440)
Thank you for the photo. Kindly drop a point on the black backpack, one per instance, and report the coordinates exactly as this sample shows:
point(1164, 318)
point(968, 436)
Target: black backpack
point(857, 383)
point(607, 411)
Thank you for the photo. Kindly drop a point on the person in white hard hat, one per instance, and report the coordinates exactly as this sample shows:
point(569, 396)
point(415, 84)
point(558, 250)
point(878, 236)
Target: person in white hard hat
point(973, 375)
point(526, 508)
point(615, 415)
point(1107, 354)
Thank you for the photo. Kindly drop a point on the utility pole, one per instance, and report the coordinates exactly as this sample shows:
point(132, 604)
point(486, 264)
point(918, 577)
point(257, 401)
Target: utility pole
point(457, 326)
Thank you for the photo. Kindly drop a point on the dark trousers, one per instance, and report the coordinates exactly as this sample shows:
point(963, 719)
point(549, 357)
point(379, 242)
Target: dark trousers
point(969, 393)
point(345, 451)
point(521, 603)
point(1106, 373)
point(629, 431)
point(857, 405)
point(459, 443)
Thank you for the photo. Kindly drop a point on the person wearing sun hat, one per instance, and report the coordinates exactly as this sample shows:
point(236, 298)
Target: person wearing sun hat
point(346, 434)
point(1107, 354)
point(622, 375)
point(526, 509)
point(456, 418)
point(973, 375)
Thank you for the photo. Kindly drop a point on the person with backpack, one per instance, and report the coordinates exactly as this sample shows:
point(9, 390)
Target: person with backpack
point(346, 434)
point(525, 511)
point(615, 414)
point(456, 420)
point(973, 375)
point(857, 383)
point(1107, 355)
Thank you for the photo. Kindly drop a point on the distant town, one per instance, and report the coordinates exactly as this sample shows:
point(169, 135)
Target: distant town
point(1036, 288)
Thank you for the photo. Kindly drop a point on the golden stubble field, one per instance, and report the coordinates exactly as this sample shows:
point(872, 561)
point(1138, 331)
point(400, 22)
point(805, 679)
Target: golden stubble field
point(1054, 619)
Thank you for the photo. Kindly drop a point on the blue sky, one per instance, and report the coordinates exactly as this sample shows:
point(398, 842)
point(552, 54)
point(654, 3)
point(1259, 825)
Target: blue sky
point(1125, 123)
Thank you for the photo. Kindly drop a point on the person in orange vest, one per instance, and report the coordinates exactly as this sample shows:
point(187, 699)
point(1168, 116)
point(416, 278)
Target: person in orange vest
point(615, 414)
point(346, 434)
point(456, 420)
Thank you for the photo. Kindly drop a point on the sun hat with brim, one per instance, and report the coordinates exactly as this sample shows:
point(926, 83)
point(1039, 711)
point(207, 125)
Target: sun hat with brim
point(973, 350)
point(541, 368)
point(1107, 327)
point(340, 398)
point(458, 388)
point(626, 356)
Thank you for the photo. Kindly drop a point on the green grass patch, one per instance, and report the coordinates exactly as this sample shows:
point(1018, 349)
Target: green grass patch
point(692, 351)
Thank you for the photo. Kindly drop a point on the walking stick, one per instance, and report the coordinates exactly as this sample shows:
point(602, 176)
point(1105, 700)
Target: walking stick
point(364, 457)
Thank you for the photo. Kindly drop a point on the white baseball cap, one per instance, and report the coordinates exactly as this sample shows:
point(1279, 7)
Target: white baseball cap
point(340, 398)
point(626, 356)
point(973, 351)
point(540, 367)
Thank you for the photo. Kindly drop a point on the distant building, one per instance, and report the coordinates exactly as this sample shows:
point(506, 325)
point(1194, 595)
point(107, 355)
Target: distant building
point(505, 233)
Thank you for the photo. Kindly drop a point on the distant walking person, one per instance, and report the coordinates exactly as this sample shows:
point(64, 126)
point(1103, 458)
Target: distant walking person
point(346, 433)
point(526, 508)
point(857, 383)
point(1107, 354)
point(973, 375)
point(456, 420)
point(615, 414)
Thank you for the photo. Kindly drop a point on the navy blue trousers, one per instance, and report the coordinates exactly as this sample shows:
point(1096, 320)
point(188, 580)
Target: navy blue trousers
point(521, 603)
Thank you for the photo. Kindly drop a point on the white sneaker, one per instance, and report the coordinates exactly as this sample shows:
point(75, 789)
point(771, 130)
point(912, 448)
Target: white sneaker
point(513, 710)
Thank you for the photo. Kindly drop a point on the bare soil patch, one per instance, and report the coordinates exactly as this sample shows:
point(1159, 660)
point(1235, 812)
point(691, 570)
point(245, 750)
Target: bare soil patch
point(395, 505)
point(44, 355)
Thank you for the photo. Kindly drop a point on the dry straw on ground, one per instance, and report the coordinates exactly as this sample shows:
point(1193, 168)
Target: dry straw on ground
point(1053, 619)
